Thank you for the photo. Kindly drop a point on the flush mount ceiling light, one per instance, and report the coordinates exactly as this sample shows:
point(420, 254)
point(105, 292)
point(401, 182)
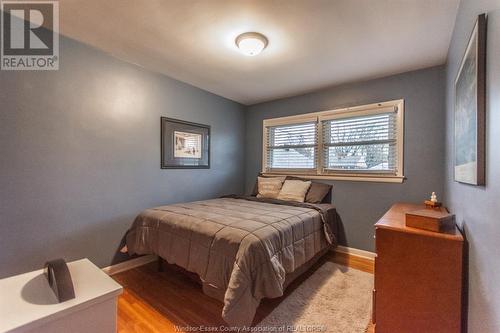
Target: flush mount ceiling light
point(251, 43)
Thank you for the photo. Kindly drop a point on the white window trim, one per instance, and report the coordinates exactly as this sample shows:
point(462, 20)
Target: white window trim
point(338, 113)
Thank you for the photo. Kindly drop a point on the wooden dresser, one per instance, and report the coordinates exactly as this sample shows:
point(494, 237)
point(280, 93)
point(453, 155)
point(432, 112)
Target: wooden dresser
point(418, 277)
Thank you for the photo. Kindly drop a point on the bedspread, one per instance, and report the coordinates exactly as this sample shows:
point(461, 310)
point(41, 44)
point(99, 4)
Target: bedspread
point(240, 247)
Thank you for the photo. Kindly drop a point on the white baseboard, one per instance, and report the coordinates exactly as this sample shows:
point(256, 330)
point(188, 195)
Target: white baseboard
point(129, 264)
point(355, 252)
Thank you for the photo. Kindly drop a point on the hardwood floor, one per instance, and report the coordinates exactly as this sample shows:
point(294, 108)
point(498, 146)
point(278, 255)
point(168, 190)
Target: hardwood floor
point(155, 301)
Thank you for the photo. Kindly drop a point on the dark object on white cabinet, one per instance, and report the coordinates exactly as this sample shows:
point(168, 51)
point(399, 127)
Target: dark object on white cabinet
point(59, 277)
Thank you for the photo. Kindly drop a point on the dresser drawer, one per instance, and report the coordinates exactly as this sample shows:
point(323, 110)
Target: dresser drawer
point(418, 279)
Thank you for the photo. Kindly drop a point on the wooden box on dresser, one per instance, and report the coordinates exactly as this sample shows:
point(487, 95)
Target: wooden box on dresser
point(419, 277)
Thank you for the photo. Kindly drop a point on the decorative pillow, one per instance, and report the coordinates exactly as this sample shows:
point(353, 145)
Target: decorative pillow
point(317, 192)
point(256, 186)
point(294, 190)
point(269, 187)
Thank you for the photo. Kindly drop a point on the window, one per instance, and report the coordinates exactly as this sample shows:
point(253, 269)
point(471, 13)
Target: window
point(360, 143)
point(292, 147)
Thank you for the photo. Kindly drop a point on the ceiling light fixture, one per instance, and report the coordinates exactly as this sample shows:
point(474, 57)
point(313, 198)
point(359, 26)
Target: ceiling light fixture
point(251, 43)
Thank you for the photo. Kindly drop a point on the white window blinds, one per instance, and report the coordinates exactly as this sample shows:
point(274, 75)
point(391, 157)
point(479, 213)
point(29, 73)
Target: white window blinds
point(292, 147)
point(361, 143)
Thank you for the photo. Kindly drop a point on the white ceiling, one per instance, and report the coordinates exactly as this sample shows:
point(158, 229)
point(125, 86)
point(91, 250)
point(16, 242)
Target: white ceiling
point(312, 43)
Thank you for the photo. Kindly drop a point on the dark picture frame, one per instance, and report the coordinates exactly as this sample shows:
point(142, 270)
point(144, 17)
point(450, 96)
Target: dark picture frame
point(184, 144)
point(470, 109)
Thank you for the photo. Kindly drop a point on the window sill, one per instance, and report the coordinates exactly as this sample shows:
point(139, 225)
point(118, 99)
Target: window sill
point(355, 178)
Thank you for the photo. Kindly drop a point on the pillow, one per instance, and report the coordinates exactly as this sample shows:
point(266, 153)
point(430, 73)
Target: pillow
point(269, 187)
point(256, 186)
point(294, 190)
point(317, 192)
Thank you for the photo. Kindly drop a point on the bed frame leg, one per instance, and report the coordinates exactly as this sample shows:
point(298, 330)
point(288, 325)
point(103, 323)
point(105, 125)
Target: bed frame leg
point(160, 264)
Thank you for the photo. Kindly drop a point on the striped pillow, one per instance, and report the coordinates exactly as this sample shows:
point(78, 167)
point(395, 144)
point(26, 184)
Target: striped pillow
point(294, 190)
point(269, 187)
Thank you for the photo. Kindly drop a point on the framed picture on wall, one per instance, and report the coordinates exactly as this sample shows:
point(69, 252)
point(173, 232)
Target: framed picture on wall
point(184, 145)
point(470, 109)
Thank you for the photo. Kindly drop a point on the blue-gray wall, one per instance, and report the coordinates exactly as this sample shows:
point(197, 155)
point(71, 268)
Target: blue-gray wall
point(361, 204)
point(478, 208)
point(80, 155)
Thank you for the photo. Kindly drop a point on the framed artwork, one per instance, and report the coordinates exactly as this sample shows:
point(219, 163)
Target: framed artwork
point(184, 145)
point(470, 109)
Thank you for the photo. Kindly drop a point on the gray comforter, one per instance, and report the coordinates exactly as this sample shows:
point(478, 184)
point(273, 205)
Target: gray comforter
point(241, 247)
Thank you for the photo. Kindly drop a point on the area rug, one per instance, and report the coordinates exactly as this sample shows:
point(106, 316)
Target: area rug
point(334, 299)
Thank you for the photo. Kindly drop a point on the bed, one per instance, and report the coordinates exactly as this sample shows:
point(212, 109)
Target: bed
point(242, 248)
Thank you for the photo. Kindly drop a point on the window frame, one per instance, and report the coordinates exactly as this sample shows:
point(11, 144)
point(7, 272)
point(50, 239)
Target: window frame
point(292, 120)
point(319, 117)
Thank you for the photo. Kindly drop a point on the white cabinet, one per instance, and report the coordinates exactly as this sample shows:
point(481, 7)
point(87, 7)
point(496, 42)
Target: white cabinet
point(27, 304)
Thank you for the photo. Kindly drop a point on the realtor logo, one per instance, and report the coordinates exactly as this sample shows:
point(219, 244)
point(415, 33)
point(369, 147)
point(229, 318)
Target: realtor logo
point(30, 35)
